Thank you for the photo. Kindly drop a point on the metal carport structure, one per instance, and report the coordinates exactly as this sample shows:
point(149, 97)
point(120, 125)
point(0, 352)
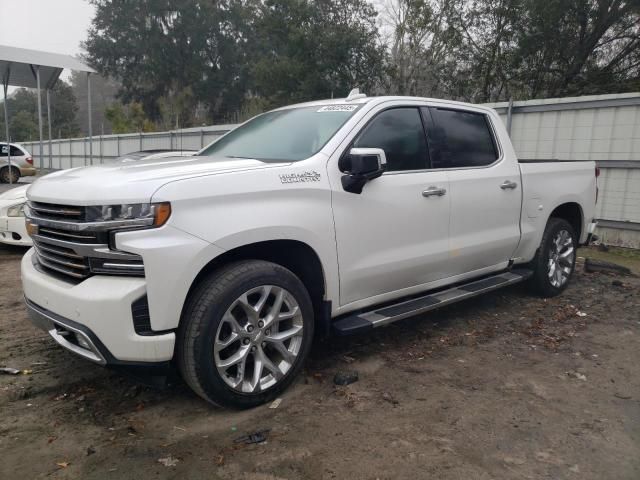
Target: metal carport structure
point(21, 67)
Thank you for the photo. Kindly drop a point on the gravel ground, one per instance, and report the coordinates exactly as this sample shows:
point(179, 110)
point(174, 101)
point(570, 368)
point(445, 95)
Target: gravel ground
point(503, 386)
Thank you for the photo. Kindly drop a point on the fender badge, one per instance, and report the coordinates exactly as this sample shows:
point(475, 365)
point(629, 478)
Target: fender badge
point(312, 176)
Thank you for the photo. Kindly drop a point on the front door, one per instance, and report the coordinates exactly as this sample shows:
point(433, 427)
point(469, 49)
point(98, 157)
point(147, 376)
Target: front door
point(392, 236)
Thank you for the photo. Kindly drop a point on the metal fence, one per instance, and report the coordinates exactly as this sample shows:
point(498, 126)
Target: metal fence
point(74, 152)
point(604, 128)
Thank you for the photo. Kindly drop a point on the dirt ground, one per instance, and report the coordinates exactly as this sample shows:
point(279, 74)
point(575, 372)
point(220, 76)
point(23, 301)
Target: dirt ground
point(503, 386)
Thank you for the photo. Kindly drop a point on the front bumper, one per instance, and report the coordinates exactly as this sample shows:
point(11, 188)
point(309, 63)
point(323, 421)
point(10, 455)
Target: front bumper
point(14, 232)
point(93, 318)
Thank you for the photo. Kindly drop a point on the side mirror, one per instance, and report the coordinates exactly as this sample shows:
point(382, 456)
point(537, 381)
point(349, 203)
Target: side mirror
point(361, 165)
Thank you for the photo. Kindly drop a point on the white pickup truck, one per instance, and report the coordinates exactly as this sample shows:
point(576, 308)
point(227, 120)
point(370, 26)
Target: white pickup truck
point(329, 217)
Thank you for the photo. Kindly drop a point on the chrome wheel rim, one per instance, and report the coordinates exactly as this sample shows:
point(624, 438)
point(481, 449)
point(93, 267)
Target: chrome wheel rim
point(561, 259)
point(258, 339)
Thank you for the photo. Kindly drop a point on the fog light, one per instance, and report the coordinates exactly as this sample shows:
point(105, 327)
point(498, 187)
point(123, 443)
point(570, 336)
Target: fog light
point(82, 342)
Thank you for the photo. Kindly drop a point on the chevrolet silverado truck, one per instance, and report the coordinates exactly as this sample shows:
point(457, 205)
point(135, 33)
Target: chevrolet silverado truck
point(325, 218)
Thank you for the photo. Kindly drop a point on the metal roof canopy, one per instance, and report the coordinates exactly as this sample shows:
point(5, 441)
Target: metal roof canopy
point(21, 67)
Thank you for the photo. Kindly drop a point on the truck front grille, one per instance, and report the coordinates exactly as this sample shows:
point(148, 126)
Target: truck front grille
point(66, 246)
point(61, 259)
point(58, 212)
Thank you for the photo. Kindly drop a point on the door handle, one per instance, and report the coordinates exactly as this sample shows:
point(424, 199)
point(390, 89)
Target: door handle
point(508, 185)
point(434, 192)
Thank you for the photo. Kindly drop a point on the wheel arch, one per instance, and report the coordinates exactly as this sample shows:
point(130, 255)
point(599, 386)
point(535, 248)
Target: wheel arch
point(296, 256)
point(572, 213)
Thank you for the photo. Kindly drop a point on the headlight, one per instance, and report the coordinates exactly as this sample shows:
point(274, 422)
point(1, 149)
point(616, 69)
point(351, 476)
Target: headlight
point(16, 210)
point(156, 214)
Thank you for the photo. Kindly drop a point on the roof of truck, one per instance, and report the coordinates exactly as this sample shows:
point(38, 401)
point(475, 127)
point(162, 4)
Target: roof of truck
point(381, 99)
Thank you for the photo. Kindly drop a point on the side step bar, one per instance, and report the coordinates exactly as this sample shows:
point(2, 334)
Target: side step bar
point(359, 322)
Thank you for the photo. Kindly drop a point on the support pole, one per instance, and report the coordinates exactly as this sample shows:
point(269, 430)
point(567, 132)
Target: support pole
point(49, 122)
point(509, 116)
point(39, 114)
point(5, 85)
point(90, 119)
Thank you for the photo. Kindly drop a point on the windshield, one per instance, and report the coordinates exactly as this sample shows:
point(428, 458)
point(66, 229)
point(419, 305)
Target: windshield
point(283, 135)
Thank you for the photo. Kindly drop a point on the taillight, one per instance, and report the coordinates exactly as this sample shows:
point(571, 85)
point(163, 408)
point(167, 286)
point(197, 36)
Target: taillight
point(597, 172)
point(30, 160)
point(597, 175)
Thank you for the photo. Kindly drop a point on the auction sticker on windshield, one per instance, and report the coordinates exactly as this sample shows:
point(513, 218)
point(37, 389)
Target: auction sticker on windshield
point(338, 108)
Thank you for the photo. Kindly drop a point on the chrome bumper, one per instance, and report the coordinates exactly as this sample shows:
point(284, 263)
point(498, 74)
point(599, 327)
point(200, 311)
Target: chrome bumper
point(65, 333)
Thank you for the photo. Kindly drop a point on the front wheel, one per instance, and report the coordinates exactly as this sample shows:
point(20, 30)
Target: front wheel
point(245, 333)
point(555, 260)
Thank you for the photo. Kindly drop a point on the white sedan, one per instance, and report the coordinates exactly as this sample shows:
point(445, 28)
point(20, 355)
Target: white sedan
point(12, 227)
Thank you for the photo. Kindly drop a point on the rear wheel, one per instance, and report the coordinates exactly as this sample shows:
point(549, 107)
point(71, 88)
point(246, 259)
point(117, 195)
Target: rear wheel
point(556, 258)
point(9, 176)
point(245, 334)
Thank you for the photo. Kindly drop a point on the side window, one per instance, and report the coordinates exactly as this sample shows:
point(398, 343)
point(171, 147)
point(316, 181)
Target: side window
point(399, 132)
point(463, 139)
point(16, 152)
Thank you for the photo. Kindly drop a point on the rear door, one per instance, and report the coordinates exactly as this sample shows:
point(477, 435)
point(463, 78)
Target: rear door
point(485, 190)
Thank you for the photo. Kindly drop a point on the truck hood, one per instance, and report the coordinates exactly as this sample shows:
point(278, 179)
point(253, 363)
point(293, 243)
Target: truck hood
point(131, 182)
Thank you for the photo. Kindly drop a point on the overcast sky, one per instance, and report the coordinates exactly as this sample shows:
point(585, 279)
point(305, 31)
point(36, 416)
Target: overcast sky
point(51, 25)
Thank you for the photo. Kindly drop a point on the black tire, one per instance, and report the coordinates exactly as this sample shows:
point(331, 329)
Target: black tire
point(541, 281)
point(201, 320)
point(4, 175)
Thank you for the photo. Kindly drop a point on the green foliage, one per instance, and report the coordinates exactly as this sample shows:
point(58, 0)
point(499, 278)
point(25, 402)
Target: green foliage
point(189, 62)
point(175, 55)
point(23, 114)
point(128, 118)
point(308, 50)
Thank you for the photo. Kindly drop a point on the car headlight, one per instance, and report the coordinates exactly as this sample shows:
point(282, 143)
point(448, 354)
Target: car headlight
point(155, 214)
point(16, 210)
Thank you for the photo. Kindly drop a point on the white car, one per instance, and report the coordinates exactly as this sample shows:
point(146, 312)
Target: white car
point(21, 163)
point(12, 227)
point(330, 217)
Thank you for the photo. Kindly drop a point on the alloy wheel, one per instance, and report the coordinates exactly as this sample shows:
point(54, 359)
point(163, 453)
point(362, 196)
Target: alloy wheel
point(258, 339)
point(561, 258)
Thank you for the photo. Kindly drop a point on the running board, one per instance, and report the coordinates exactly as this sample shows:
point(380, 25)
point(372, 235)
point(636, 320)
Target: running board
point(359, 322)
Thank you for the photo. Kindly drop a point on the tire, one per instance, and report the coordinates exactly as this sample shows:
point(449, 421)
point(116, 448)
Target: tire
point(553, 269)
point(4, 175)
point(234, 305)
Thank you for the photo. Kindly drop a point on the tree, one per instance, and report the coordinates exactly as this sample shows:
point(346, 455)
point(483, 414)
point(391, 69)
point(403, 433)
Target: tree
point(23, 114)
point(305, 50)
point(128, 118)
point(155, 47)
point(424, 47)
point(178, 57)
point(573, 47)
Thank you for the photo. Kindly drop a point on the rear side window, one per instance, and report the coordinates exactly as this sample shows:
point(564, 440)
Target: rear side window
point(15, 151)
point(399, 132)
point(463, 139)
